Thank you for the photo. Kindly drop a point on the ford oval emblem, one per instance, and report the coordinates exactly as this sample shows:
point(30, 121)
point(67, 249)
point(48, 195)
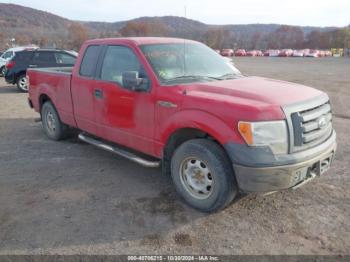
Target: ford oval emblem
point(322, 122)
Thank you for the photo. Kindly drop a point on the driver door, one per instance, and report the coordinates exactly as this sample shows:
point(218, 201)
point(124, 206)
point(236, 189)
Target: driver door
point(124, 116)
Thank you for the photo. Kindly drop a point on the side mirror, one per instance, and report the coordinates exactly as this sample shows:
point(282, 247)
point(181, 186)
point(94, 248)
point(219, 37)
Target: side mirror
point(132, 81)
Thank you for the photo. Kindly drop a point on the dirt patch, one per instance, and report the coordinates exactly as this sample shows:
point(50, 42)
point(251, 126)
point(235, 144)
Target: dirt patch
point(183, 239)
point(67, 196)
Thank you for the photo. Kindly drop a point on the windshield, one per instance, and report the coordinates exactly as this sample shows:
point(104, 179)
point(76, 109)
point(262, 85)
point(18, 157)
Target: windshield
point(188, 62)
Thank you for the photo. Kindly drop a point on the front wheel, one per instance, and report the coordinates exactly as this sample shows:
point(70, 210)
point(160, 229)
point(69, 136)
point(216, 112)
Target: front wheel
point(203, 175)
point(22, 83)
point(53, 127)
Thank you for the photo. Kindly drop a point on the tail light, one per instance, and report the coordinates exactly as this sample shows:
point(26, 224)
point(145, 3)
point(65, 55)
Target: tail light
point(28, 81)
point(10, 64)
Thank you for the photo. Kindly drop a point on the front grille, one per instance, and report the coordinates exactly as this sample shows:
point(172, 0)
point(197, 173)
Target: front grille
point(312, 126)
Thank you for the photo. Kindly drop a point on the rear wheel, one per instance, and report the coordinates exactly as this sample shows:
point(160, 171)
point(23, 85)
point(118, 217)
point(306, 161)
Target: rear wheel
point(22, 83)
point(53, 127)
point(203, 175)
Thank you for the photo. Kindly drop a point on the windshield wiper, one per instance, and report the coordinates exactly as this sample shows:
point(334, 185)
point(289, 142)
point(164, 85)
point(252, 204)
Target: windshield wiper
point(228, 76)
point(192, 77)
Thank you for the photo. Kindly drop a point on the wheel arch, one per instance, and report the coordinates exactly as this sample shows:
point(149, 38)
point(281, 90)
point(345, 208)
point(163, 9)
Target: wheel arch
point(43, 94)
point(177, 138)
point(43, 98)
point(199, 121)
point(193, 125)
point(19, 74)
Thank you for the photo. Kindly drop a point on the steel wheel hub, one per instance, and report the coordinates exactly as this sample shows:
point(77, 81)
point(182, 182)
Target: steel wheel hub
point(196, 178)
point(51, 122)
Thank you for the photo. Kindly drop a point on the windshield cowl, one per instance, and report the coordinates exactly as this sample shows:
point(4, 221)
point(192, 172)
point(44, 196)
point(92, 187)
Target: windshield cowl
point(191, 78)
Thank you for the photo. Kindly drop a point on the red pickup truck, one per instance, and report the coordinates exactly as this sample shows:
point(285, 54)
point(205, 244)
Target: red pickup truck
point(178, 104)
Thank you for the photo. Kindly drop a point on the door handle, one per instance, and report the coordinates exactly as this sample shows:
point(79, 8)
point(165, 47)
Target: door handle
point(98, 93)
point(167, 104)
point(32, 66)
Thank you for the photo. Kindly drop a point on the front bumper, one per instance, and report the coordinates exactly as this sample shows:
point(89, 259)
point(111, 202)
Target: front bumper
point(288, 173)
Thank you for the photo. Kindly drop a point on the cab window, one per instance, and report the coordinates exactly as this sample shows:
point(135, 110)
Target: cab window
point(120, 59)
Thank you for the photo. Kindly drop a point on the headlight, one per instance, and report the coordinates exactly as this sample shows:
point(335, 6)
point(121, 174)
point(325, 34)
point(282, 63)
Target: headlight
point(270, 133)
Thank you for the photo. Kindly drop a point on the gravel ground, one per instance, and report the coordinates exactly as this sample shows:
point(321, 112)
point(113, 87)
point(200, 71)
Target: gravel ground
point(71, 198)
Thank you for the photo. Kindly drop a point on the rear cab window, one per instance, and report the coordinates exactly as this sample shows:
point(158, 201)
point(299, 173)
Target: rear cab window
point(89, 62)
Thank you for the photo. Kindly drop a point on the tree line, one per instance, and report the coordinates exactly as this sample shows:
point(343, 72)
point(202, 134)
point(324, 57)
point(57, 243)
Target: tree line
point(217, 37)
point(283, 37)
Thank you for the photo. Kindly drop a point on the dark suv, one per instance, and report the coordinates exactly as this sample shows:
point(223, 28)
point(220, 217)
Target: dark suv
point(16, 68)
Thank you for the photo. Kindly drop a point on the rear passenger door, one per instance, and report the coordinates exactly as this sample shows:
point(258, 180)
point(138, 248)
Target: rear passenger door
point(84, 90)
point(43, 59)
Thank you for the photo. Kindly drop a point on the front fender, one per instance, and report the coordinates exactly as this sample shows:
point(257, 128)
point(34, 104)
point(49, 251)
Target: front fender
point(201, 120)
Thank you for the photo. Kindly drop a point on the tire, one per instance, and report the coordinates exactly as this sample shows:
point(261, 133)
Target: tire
point(53, 126)
point(203, 175)
point(2, 71)
point(22, 83)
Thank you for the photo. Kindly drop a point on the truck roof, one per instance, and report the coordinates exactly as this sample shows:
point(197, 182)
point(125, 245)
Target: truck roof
point(140, 40)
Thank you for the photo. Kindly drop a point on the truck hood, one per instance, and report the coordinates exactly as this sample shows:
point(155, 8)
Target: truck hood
point(255, 89)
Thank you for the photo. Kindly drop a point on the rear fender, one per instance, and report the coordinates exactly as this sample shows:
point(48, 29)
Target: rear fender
point(46, 90)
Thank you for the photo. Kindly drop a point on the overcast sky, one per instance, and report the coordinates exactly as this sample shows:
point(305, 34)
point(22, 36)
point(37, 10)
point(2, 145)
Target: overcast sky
point(294, 12)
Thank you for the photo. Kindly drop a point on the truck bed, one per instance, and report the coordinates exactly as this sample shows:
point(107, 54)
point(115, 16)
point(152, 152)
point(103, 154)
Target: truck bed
point(55, 81)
